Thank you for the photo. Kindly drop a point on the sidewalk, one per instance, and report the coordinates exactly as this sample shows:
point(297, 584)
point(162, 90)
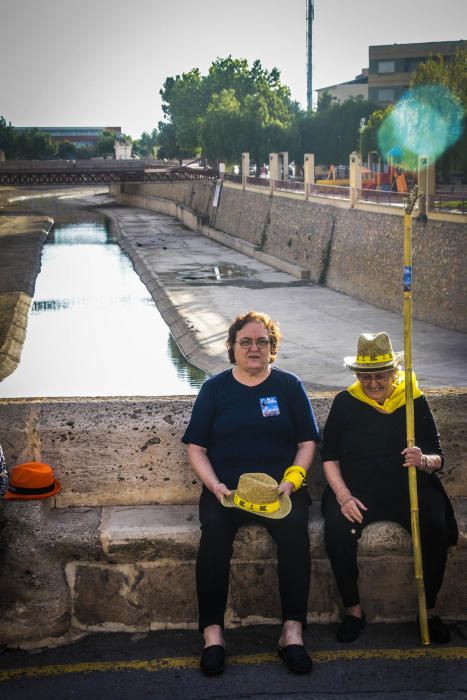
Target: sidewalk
point(200, 286)
point(386, 662)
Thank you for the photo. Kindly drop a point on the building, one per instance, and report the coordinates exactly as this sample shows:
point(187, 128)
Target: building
point(392, 66)
point(80, 136)
point(358, 87)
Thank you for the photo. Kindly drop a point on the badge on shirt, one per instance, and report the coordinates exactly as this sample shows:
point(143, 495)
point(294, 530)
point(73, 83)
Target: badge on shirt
point(269, 406)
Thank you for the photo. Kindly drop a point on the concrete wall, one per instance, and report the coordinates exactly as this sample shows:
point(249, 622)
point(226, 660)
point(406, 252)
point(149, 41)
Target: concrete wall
point(116, 549)
point(353, 251)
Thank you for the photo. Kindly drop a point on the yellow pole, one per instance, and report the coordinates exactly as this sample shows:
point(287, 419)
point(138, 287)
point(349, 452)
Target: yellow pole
point(409, 204)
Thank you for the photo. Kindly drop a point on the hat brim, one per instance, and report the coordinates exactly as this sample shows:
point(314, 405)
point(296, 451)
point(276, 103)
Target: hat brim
point(284, 508)
point(351, 363)
point(10, 496)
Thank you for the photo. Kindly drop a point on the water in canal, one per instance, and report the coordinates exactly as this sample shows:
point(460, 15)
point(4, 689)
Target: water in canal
point(94, 329)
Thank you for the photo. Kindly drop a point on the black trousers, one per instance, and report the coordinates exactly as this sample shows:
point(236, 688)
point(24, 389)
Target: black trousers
point(341, 538)
point(218, 529)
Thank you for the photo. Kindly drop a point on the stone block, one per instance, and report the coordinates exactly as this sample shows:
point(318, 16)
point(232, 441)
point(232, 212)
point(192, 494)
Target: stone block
point(148, 595)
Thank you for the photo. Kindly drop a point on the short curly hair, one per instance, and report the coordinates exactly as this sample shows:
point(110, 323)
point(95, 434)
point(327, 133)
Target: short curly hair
point(271, 326)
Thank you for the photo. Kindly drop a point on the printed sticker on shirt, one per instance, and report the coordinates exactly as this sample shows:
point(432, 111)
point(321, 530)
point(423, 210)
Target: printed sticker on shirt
point(269, 406)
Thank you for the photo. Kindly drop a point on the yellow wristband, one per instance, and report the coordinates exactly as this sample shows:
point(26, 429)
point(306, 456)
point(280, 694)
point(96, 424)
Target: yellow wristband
point(295, 475)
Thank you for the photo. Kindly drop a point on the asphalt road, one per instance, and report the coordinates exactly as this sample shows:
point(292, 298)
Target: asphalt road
point(387, 662)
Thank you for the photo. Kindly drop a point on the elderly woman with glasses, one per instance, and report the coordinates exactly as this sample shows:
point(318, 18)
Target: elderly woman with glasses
point(252, 418)
point(365, 459)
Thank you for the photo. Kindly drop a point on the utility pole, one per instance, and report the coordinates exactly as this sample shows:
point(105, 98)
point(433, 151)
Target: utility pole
point(310, 14)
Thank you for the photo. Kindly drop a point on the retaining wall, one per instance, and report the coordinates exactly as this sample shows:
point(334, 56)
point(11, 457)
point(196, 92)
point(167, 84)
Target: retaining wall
point(357, 252)
point(116, 548)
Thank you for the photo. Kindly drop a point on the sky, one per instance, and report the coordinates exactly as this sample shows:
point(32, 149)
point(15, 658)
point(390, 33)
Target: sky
point(103, 62)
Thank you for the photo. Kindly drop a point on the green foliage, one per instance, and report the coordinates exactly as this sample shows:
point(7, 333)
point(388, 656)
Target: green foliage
point(333, 133)
point(233, 108)
point(66, 150)
point(451, 74)
point(369, 134)
point(7, 138)
point(33, 144)
point(146, 145)
point(105, 144)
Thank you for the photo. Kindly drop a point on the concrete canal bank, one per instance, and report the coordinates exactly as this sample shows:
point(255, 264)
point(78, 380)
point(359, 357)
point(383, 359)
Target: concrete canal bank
point(115, 549)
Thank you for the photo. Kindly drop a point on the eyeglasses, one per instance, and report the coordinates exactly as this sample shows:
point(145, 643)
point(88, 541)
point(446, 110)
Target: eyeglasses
point(373, 376)
point(247, 343)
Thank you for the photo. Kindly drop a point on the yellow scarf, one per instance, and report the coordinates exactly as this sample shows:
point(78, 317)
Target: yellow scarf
point(397, 398)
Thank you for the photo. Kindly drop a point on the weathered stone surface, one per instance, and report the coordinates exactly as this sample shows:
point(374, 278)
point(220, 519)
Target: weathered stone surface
point(150, 532)
point(35, 543)
point(129, 451)
point(133, 597)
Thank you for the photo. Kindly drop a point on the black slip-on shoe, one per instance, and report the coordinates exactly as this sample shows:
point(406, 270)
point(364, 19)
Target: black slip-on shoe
point(295, 658)
point(439, 631)
point(213, 660)
point(350, 628)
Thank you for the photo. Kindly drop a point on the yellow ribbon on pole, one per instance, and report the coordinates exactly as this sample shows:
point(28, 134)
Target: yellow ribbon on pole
point(409, 203)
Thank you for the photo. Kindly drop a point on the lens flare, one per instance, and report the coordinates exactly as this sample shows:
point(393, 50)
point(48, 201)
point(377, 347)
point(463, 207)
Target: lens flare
point(426, 121)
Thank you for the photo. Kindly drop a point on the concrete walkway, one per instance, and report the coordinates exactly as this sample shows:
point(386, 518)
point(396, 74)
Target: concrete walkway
point(200, 285)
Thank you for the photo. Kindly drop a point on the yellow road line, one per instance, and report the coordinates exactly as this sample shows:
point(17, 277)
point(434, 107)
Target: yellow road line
point(190, 662)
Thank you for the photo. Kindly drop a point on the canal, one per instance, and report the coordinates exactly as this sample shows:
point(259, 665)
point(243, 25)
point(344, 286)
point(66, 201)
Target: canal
point(94, 329)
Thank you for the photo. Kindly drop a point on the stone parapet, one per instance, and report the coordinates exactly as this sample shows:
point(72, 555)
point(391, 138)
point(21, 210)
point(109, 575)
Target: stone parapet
point(116, 548)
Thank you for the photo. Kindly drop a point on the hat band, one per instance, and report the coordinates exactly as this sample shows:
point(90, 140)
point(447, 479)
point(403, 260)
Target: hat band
point(256, 507)
point(31, 492)
point(368, 360)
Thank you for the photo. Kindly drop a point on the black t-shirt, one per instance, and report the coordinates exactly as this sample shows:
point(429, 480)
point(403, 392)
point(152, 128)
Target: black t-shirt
point(251, 429)
point(368, 444)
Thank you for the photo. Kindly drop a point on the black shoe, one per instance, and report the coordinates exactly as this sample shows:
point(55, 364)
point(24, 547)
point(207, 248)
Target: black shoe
point(350, 628)
point(439, 632)
point(213, 660)
point(295, 658)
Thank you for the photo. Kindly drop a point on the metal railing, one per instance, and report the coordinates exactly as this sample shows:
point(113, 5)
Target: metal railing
point(99, 176)
point(376, 196)
point(339, 191)
point(231, 177)
point(258, 181)
point(449, 203)
point(289, 186)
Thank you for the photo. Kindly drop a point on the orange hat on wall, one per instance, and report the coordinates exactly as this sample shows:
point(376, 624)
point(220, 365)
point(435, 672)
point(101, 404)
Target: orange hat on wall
point(31, 480)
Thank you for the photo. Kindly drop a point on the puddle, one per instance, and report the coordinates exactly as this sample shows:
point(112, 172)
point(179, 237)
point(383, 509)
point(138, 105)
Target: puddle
point(223, 272)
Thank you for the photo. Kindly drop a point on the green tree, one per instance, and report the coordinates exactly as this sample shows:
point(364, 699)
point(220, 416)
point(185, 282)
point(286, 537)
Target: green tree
point(34, 144)
point(66, 150)
point(233, 108)
point(7, 138)
point(369, 136)
point(105, 143)
point(451, 74)
point(333, 133)
point(146, 145)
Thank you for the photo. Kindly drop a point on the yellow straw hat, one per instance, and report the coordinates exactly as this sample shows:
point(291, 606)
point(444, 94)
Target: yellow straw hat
point(374, 352)
point(257, 493)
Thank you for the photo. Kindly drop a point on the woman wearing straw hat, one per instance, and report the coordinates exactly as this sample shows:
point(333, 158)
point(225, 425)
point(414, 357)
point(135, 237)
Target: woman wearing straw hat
point(365, 460)
point(251, 440)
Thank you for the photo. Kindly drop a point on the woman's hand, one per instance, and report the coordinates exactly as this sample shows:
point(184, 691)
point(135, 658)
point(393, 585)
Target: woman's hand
point(285, 487)
point(352, 508)
point(220, 490)
point(414, 457)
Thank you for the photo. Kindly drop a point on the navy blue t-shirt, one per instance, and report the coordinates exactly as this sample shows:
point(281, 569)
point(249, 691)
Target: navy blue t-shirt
point(251, 429)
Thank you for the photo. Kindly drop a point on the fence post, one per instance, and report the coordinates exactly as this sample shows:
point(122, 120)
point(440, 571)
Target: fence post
point(308, 172)
point(273, 170)
point(245, 169)
point(355, 177)
point(427, 182)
